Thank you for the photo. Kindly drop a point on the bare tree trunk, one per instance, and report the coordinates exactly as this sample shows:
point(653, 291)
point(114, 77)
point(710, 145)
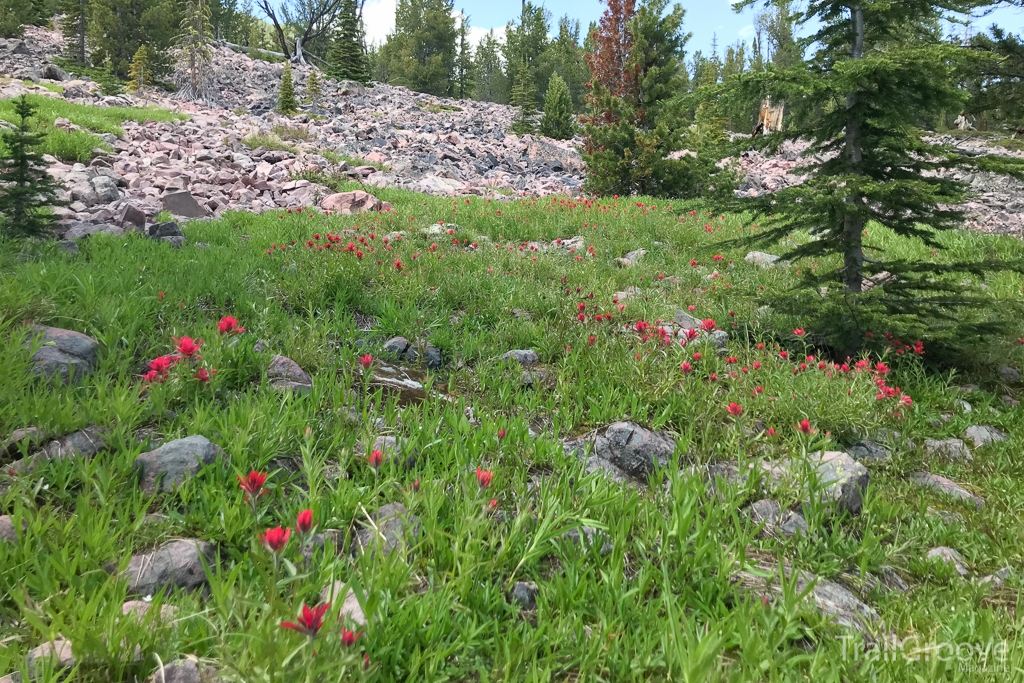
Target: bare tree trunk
point(853, 223)
point(264, 5)
point(298, 50)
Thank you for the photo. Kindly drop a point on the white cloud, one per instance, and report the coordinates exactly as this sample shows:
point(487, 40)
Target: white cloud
point(747, 31)
point(379, 21)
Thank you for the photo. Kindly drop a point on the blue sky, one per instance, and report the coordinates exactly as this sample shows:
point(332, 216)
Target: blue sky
point(704, 18)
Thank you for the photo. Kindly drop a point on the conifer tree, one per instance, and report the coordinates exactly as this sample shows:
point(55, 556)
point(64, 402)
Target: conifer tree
point(861, 98)
point(464, 63)
point(524, 98)
point(139, 73)
point(286, 103)
point(194, 74)
point(346, 57)
point(491, 82)
point(74, 26)
point(26, 189)
point(422, 52)
point(557, 121)
point(313, 89)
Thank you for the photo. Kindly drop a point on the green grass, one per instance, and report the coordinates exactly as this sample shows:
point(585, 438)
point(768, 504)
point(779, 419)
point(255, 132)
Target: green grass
point(337, 158)
point(660, 606)
point(271, 142)
point(78, 145)
point(435, 108)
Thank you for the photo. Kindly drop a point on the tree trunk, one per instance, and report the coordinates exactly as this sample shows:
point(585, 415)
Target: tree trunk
point(298, 50)
point(853, 221)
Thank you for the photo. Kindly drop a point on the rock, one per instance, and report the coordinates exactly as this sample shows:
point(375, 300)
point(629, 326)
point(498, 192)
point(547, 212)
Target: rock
point(767, 512)
point(997, 579)
point(524, 594)
point(631, 449)
point(588, 537)
point(945, 486)
point(631, 258)
point(396, 380)
point(983, 435)
point(947, 517)
point(950, 557)
point(8, 532)
point(29, 435)
point(55, 655)
point(891, 579)
point(132, 218)
point(350, 608)
point(84, 443)
point(347, 87)
point(869, 451)
point(178, 564)
point(432, 358)
point(525, 357)
point(1008, 373)
point(392, 529)
point(83, 230)
point(180, 671)
point(183, 204)
point(759, 258)
point(164, 469)
point(286, 375)
point(350, 203)
point(55, 73)
point(794, 524)
point(141, 608)
point(954, 450)
point(64, 353)
point(842, 479)
point(830, 599)
point(165, 230)
point(396, 346)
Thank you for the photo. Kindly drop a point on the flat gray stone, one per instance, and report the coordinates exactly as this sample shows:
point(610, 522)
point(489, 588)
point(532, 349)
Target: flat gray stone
point(165, 230)
point(760, 258)
point(1008, 373)
point(867, 451)
point(631, 259)
point(842, 480)
point(286, 375)
point(83, 230)
point(940, 484)
point(983, 435)
point(525, 357)
point(165, 468)
point(178, 564)
point(350, 607)
point(85, 443)
point(953, 450)
point(950, 557)
point(63, 353)
point(634, 450)
point(589, 537)
point(57, 651)
point(393, 528)
point(396, 346)
point(183, 204)
point(179, 671)
point(8, 532)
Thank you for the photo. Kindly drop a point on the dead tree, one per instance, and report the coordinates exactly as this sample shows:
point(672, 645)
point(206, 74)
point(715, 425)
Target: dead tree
point(310, 19)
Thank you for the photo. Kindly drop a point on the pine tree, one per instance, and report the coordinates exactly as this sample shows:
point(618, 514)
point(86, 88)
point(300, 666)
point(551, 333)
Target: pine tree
point(997, 91)
point(557, 121)
point(286, 103)
point(74, 26)
point(346, 57)
point(118, 27)
point(26, 189)
point(139, 73)
point(566, 57)
point(491, 83)
point(464, 63)
point(313, 89)
point(13, 13)
point(633, 122)
point(859, 100)
point(524, 98)
point(527, 42)
point(422, 52)
point(194, 74)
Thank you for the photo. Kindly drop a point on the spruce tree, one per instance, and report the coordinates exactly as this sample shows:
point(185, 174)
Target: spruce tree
point(346, 57)
point(859, 101)
point(194, 74)
point(139, 73)
point(313, 89)
point(491, 82)
point(286, 103)
point(464, 74)
point(74, 26)
point(524, 98)
point(422, 52)
point(26, 189)
point(557, 121)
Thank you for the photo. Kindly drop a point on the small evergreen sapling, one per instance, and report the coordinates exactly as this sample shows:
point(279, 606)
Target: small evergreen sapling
point(26, 189)
point(286, 103)
point(139, 73)
point(558, 121)
point(313, 89)
point(524, 98)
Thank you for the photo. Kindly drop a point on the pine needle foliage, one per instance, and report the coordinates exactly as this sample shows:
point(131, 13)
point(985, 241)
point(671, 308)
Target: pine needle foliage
point(558, 121)
point(286, 103)
point(313, 89)
point(346, 56)
point(861, 100)
point(194, 73)
point(524, 98)
point(26, 189)
point(140, 74)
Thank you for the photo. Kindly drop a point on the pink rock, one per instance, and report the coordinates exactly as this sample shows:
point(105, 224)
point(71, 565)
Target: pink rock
point(348, 203)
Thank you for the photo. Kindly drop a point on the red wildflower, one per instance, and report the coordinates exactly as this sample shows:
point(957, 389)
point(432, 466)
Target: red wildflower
point(398, 265)
point(805, 427)
point(310, 622)
point(484, 477)
point(493, 504)
point(304, 522)
point(366, 360)
point(202, 375)
point(160, 295)
point(708, 325)
point(349, 638)
point(376, 458)
point(501, 434)
point(229, 325)
point(734, 409)
point(187, 346)
point(799, 332)
point(686, 367)
point(253, 484)
point(274, 540)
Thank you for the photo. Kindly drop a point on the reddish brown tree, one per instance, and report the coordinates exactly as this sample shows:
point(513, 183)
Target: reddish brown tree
point(612, 42)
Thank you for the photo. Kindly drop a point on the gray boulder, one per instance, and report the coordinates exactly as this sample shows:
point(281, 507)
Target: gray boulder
point(868, 451)
point(394, 527)
point(950, 557)
point(183, 204)
point(396, 346)
point(524, 594)
point(178, 564)
point(64, 353)
point(954, 450)
point(8, 532)
point(525, 357)
point(940, 484)
point(840, 479)
point(759, 258)
point(286, 375)
point(632, 450)
point(179, 671)
point(164, 469)
point(983, 435)
point(55, 654)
